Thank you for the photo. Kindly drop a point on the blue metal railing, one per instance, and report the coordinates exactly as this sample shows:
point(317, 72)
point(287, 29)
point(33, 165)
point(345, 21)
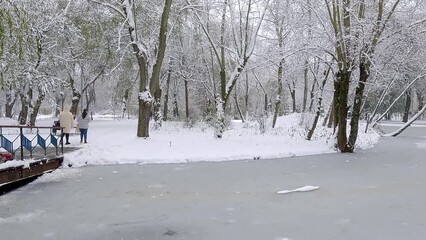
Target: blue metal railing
point(29, 138)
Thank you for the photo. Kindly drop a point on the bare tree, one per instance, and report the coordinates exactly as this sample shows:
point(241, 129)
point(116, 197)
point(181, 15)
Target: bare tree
point(244, 34)
point(148, 86)
point(345, 19)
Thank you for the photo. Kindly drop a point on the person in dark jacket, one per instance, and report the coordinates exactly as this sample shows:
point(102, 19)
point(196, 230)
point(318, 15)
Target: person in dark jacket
point(83, 123)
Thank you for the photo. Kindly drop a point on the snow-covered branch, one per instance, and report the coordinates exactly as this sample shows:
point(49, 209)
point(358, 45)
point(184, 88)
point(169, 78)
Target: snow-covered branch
point(115, 8)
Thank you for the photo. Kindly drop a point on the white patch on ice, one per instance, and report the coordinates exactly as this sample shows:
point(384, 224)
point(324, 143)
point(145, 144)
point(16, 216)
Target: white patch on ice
point(59, 175)
point(23, 217)
point(421, 145)
point(301, 189)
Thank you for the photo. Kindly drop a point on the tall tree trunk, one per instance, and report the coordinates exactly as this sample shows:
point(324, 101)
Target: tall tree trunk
point(90, 95)
point(315, 72)
point(265, 108)
point(220, 117)
point(421, 101)
point(144, 96)
point(76, 96)
point(155, 77)
point(328, 120)
point(293, 99)
point(246, 96)
point(343, 78)
point(26, 99)
point(125, 102)
point(407, 106)
point(312, 94)
point(186, 100)
point(60, 101)
point(364, 73)
point(74, 102)
point(280, 89)
point(23, 114)
point(175, 105)
point(166, 95)
point(157, 109)
point(306, 80)
point(144, 99)
point(305, 86)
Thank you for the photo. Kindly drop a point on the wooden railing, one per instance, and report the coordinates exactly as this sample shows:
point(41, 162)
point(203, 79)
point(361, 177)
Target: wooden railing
point(28, 139)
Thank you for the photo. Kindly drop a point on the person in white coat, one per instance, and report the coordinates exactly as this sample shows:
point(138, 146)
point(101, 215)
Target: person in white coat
point(83, 123)
point(66, 121)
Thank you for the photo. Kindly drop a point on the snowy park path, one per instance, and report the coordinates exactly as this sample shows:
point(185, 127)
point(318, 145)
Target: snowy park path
point(377, 193)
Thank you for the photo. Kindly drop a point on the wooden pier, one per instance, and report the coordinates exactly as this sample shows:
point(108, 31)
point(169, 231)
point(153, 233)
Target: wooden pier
point(16, 176)
point(36, 150)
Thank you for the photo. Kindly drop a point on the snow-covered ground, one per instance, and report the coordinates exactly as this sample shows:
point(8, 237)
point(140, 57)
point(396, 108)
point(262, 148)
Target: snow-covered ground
point(112, 141)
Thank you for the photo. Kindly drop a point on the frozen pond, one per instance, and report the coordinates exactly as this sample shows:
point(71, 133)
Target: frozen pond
point(379, 193)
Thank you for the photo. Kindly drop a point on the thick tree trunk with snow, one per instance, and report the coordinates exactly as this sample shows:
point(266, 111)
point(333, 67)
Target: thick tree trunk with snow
point(145, 103)
point(26, 98)
point(76, 96)
point(158, 119)
point(144, 96)
point(220, 118)
point(10, 102)
point(343, 78)
point(59, 103)
point(36, 107)
point(23, 114)
point(364, 69)
point(144, 99)
point(74, 102)
point(156, 70)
